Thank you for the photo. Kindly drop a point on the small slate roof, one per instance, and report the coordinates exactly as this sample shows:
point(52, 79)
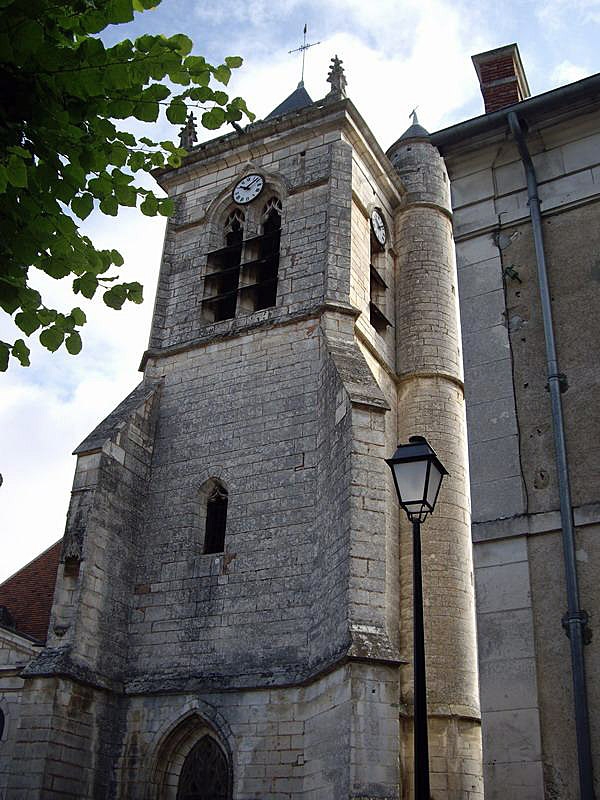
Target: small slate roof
point(298, 99)
point(29, 592)
point(416, 131)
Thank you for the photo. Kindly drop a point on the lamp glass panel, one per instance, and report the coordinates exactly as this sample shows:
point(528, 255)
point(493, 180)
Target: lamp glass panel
point(435, 478)
point(410, 479)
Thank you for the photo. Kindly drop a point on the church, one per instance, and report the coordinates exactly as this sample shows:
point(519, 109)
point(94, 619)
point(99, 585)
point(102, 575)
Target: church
point(229, 613)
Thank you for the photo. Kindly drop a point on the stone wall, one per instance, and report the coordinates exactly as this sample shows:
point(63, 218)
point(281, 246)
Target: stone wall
point(16, 652)
point(524, 654)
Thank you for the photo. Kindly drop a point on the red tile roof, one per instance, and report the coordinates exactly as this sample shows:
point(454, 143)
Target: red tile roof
point(28, 593)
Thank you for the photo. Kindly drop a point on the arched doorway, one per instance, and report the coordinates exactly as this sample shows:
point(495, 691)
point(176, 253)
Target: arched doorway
point(205, 773)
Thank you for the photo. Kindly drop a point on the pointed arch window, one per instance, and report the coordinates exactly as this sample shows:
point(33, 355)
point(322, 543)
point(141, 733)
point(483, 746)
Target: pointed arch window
point(241, 277)
point(205, 773)
point(216, 520)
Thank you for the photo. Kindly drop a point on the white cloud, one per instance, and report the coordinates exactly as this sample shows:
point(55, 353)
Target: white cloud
point(566, 72)
point(561, 14)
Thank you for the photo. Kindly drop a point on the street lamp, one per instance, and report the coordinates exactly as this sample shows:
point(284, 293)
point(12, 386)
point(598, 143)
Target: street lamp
point(418, 474)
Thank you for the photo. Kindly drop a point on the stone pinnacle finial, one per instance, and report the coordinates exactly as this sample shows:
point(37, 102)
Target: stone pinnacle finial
point(188, 136)
point(337, 79)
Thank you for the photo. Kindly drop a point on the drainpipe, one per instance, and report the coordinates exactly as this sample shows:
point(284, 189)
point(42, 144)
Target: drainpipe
point(575, 619)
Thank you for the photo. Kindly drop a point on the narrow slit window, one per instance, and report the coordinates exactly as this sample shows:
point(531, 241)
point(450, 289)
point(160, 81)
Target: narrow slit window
point(216, 521)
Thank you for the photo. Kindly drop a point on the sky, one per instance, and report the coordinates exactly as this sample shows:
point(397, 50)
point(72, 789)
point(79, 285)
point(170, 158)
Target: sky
point(397, 54)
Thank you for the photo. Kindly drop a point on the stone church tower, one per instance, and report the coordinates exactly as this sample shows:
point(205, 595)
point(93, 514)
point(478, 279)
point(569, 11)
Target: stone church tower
point(233, 604)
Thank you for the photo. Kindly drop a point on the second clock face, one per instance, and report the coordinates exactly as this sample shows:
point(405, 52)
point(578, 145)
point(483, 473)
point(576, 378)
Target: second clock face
point(378, 226)
point(248, 188)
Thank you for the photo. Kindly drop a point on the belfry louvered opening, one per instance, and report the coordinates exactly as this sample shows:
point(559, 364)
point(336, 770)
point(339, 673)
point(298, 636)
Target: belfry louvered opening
point(242, 276)
point(378, 287)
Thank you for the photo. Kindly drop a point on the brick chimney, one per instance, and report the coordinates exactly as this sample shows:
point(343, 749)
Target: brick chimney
point(501, 77)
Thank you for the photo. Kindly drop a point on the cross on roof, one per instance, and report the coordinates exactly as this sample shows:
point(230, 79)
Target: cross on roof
point(302, 49)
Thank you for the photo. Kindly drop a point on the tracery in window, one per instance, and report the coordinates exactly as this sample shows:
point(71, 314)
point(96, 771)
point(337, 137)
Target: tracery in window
point(241, 277)
point(205, 773)
point(216, 520)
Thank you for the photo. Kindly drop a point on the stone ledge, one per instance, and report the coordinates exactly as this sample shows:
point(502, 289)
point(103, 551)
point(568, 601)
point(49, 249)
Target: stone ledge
point(532, 524)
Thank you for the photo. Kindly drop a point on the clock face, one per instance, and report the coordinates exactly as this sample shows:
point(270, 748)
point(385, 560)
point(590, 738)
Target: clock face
point(378, 226)
point(248, 188)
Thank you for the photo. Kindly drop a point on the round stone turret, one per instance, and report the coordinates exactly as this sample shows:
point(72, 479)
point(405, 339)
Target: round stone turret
point(431, 403)
point(421, 167)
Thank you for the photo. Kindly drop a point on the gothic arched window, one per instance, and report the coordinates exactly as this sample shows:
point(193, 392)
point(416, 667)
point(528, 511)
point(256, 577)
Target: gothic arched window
point(205, 773)
point(216, 520)
point(241, 276)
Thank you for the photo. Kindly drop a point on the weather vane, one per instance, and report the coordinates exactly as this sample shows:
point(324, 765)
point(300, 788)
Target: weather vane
point(302, 49)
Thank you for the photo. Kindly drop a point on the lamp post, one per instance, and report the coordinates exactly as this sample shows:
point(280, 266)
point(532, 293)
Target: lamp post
point(418, 474)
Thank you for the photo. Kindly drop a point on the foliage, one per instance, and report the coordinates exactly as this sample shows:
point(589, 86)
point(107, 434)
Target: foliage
point(62, 153)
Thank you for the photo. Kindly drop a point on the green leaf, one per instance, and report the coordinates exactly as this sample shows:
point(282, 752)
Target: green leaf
point(4, 353)
point(119, 11)
point(220, 97)
point(144, 43)
point(31, 36)
point(214, 118)
point(73, 343)
point(181, 43)
point(150, 206)
point(109, 206)
point(166, 207)
point(28, 322)
point(16, 172)
point(83, 205)
point(156, 92)
point(233, 62)
point(78, 315)
point(177, 112)
point(52, 338)
point(3, 179)
point(115, 297)
point(146, 111)
point(126, 196)
point(21, 352)
point(116, 258)
point(100, 187)
point(30, 299)
point(136, 161)
point(65, 224)
point(222, 74)
point(86, 284)
point(135, 292)
point(46, 316)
